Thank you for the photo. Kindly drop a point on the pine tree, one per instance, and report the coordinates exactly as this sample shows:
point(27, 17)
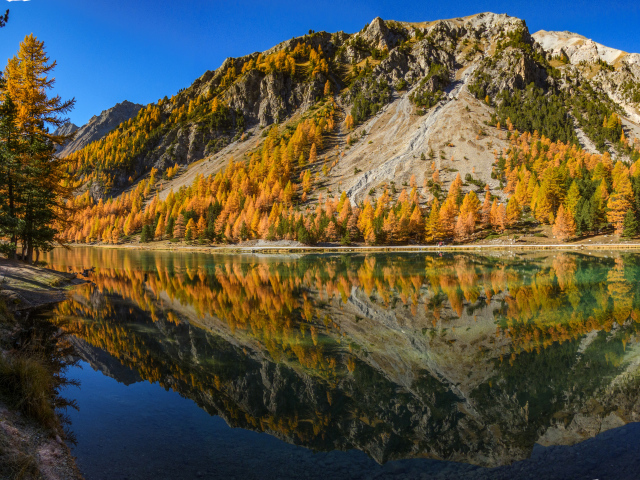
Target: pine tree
point(630, 226)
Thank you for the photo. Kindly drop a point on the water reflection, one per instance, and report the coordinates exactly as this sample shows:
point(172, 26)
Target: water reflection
point(461, 357)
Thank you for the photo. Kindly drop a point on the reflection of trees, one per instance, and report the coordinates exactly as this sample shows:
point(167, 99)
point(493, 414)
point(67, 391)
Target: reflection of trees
point(287, 340)
point(568, 299)
point(277, 302)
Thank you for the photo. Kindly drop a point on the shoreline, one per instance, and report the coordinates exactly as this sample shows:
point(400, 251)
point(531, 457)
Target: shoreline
point(26, 288)
point(31, 442)
point(310, 249)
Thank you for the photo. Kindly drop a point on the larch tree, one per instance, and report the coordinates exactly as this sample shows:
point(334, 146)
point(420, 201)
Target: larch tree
point(620, 203)
point(36, 193)
point(327, 88)
point(433, 230)
point(179, 227)
point(513, 211)
point(159, 233)
point(416, 224)
point(448, 213)
point(486, 207)
point(564, 226)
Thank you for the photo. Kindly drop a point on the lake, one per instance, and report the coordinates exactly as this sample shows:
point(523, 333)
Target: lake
point(459, 365)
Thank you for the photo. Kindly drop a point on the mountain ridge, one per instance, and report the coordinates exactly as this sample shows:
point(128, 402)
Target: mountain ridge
point(97, 126)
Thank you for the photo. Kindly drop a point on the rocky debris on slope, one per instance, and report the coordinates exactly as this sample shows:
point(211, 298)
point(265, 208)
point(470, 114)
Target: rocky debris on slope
point(99, 125)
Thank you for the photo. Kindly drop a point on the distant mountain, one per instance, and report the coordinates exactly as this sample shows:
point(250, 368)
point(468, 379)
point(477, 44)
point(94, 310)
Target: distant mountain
point(97, 127)
point(67, 129)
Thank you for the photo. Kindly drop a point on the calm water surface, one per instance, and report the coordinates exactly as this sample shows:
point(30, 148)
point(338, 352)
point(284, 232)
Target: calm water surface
point(354, 366)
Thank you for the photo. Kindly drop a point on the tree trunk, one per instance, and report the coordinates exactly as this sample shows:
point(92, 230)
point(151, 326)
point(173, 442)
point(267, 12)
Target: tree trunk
point(29, 258)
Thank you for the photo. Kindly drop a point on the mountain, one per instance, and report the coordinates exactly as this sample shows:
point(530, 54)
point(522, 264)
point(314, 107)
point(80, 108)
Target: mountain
point(385, 77)
point(396, 105)
point(97, 127)
point(66, 129)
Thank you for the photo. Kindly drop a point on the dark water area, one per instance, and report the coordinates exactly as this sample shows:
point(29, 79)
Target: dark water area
point(354, 366)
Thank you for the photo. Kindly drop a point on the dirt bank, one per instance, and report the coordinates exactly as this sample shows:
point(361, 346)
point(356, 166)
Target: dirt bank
point(25, 287)
point(31, 446)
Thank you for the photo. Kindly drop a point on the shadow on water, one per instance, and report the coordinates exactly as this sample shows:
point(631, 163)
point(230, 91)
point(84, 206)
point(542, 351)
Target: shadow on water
point(382, 365)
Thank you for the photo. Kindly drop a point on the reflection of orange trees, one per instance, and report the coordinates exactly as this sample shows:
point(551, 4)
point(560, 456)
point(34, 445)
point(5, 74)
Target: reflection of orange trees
point(552, 307)
point(621, 292)
point(283, 305)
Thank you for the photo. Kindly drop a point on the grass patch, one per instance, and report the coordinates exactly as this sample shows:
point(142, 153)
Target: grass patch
point(57, 282)
point(27, 385)
point(493, 236)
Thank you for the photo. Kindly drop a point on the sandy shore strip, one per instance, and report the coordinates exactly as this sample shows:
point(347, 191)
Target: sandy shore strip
point(295, 248)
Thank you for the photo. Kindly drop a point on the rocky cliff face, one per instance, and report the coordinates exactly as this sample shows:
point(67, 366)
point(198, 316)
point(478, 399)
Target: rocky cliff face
point(98, 126)
point(609, 70)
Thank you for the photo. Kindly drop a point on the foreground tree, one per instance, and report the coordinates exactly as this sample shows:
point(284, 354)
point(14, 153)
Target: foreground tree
point(33, 186)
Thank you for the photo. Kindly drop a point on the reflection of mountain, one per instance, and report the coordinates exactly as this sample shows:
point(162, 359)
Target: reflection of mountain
point(461, 357)
point(104, 362)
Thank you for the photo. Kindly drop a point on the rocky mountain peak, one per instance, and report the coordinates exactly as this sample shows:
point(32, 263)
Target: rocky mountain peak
point(577, 47)
point(99, 125)
point(378, 35)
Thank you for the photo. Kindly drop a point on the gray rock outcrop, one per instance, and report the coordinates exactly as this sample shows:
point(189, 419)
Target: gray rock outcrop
point(98, 126)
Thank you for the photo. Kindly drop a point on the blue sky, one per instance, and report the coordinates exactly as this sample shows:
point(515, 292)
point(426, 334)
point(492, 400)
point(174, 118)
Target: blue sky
point(141, 50)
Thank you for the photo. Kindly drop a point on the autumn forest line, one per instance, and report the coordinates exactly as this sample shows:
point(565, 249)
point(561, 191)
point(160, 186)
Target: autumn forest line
point(274, 193)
